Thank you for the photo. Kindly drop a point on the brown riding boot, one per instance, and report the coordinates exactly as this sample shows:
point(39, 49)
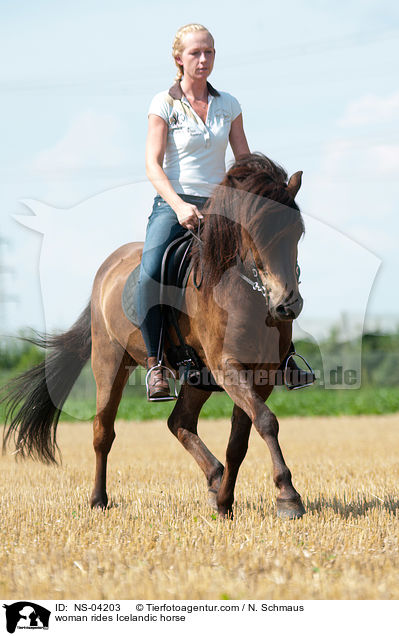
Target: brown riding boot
point(158, 385)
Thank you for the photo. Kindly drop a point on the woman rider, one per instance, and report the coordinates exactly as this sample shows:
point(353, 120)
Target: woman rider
point(189, 128)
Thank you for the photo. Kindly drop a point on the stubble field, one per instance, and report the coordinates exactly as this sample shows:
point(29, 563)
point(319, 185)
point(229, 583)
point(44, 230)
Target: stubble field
point(160, 540)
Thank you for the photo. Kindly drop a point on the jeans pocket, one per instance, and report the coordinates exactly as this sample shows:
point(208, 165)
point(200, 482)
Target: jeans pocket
point(160, 207)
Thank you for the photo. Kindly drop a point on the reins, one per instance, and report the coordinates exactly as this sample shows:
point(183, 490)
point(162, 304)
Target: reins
point(200, 244)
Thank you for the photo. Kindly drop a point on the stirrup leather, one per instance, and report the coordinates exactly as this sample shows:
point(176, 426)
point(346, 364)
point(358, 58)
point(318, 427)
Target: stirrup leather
point(166, 398)
point(293, 387)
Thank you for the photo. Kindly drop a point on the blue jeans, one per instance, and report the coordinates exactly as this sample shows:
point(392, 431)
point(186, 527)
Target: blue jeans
point(163, 228)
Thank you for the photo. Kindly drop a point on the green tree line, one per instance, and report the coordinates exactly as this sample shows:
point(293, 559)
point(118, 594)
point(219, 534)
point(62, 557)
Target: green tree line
point(380, 355)
point(377, 394)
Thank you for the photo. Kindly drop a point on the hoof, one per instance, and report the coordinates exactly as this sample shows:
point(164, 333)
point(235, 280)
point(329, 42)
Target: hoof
point(225, 511)
point(212, 496)
point(290, 509)
point(98, 503)
point(226, 514)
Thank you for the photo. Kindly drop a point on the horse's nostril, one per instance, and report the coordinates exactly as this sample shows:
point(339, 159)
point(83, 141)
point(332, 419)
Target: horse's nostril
point(284, 312)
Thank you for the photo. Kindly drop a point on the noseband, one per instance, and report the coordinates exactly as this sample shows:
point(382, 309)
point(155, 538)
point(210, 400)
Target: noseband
point(255, 284)
point(258, 286)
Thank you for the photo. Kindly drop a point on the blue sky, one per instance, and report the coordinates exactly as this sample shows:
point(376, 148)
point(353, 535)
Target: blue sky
point(318, 85)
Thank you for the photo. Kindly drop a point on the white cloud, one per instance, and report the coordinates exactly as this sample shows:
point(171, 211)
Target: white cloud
point(355, 190)
point(387, 159)
point(371, 109)
point(92, 139)
point(354, 157)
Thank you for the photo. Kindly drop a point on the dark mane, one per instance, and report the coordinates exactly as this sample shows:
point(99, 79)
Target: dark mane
point(253, 195)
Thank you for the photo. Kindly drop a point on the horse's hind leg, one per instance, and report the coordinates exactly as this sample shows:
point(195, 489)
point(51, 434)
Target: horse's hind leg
point(111, 367)
point(236, 450)
point(182, 423)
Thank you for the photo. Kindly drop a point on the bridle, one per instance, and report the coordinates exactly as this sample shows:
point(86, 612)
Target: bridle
point(257, 285)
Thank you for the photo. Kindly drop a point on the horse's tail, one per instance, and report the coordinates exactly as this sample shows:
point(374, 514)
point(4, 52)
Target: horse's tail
point(35, 398)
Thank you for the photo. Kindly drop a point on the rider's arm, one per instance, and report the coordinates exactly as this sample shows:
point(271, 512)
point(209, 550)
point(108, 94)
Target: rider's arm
point(154, 154)
point(237, 138)
point(155, 151)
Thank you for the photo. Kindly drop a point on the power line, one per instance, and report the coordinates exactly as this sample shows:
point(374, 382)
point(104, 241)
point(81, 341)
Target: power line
point(350, 40)
point(128, 80)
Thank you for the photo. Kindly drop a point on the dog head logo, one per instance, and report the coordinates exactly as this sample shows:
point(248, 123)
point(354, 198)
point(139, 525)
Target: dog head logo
point(26, 615)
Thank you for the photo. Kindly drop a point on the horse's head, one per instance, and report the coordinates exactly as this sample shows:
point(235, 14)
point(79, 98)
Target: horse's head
point(272, 237)
point(253, 215)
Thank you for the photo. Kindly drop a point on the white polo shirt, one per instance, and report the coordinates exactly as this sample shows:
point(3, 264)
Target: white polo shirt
point(194, 159)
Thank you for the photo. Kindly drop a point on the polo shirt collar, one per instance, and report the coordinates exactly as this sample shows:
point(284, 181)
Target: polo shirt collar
point(176, 92)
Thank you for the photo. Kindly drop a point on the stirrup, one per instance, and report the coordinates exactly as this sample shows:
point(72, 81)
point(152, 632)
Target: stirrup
point(166, 398)
point(294, 387)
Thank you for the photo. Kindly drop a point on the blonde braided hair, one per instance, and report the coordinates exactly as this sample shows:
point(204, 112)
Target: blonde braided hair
point(178, 46)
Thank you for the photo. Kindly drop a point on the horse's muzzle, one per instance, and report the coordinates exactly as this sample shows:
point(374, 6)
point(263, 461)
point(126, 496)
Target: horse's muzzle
point(287, 311)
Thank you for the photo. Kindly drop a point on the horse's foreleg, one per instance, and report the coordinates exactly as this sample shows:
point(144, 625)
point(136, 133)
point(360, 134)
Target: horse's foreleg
point(182, 423)
point(111, 368)
point(289, 504)
point(235, 453)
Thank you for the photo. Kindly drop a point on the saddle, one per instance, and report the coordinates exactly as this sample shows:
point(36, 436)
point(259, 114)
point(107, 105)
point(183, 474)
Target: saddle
point(175, 271)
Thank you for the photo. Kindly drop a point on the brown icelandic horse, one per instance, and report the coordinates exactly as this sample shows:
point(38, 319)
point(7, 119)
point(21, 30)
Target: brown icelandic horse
point(238, 333)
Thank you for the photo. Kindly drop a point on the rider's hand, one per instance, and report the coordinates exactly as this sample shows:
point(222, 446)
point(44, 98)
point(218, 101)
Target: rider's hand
point(188, 215)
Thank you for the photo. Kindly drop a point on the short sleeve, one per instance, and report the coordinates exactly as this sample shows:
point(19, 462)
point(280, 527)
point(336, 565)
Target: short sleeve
point(235, 108)
point(160, 106)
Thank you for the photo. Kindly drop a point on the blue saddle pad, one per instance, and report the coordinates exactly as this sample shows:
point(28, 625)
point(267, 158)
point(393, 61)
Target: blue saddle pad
point(174, 276)
point(130, 296)
point(177, 270)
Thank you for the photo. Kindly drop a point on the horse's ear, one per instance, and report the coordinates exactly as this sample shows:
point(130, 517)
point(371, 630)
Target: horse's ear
point(294, 183)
